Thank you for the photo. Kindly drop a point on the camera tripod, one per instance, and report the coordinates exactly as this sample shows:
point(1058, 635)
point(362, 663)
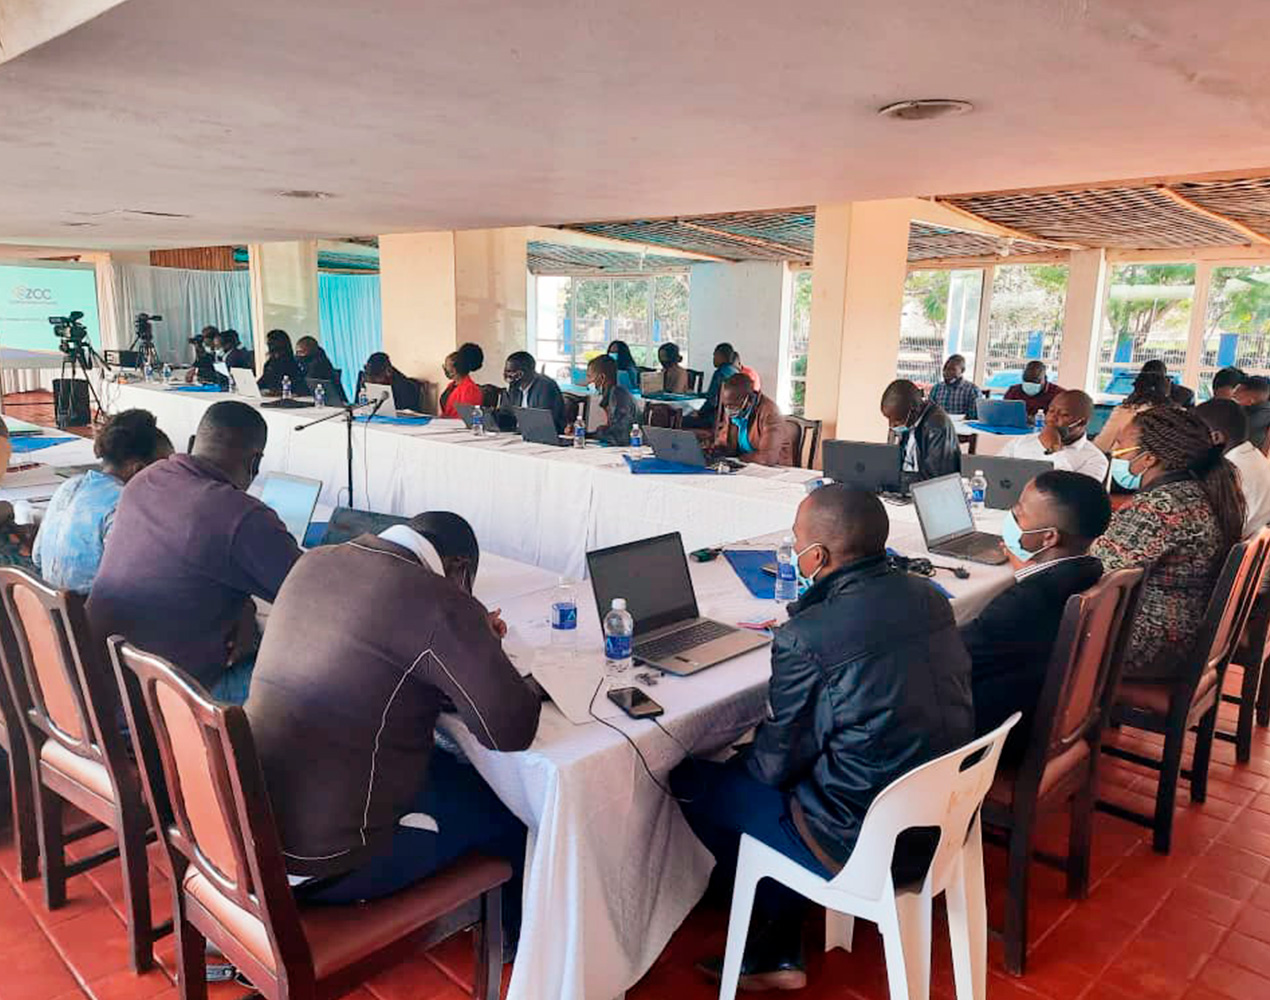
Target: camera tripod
point(147, 353)
point(77, 356)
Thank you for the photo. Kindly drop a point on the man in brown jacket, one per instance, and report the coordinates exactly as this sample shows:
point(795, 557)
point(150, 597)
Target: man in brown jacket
point(751, 427)
point(368, 642)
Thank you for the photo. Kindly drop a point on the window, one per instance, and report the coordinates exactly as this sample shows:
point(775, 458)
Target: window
point(1147, 316)
point(577, 318)
point(799, 335)
point(940, 317)
point(1025, 320)
point(1236, 323)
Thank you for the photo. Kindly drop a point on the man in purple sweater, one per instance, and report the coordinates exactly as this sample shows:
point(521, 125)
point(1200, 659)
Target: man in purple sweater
point(188, 551)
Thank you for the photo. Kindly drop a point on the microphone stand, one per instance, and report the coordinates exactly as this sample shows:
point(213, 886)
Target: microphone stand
point(348, 413)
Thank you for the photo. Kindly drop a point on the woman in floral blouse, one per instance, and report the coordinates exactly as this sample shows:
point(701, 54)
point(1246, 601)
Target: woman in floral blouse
point(1186, 513)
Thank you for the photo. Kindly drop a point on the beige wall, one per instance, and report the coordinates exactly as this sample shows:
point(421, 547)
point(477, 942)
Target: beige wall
point(490, 282)
point(284, 291)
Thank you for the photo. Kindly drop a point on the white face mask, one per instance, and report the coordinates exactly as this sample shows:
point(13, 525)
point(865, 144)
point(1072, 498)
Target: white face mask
point(805, 582)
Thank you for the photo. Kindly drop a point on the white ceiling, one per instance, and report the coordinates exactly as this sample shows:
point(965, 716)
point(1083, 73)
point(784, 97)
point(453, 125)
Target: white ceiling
point(430, 114)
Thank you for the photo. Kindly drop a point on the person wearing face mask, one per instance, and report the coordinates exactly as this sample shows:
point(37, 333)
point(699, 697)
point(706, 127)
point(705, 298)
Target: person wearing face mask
point(751, 427)
point(869, 680)
point(1047, 535)
point(1185, 514)
point(190, 548)
point(1228, 425)
point(203, 369)
point(956, 393)
point(1036, 390)
point(925, 433)
point(616, 401)
point(1149, 389)
point(529, 390)
point(232, 352)
point(1062, 439)
point(724, 369)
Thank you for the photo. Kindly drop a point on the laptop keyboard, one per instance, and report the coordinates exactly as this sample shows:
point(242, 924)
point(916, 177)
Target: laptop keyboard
point(687, 638)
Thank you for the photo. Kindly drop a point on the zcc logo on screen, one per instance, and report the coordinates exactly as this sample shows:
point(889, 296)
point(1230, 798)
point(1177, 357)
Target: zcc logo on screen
point(24, 293)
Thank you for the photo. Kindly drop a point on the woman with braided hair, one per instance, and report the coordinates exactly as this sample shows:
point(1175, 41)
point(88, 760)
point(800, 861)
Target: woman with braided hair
point(1186, 513)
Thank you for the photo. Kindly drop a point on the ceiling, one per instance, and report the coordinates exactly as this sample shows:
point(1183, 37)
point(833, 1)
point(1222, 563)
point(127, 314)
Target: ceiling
point(178, 122)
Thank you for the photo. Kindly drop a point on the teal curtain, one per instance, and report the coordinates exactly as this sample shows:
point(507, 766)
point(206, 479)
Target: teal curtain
point(350, 315)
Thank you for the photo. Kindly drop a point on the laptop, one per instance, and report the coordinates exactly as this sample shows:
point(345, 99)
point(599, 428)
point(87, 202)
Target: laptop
point(22, 428)
point(245, 382)
point(489, 416)
point(293, 499)
point(863, 465)
point(651, 382)
point(381, 395)
point(652, 575)
point(538, 426)
point(947, 525)
point(670, 445)
point(334, 392)
point(1003, 413)
point(347, 523)
point(1006, 476)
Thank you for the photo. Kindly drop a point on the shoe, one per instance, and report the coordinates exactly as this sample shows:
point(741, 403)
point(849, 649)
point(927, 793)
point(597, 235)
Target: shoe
point(787, 975)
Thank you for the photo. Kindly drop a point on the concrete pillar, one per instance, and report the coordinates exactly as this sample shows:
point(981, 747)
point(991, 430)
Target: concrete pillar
point(860, 263)
point(491, 297)
point(1082, 319)
point(284, 291)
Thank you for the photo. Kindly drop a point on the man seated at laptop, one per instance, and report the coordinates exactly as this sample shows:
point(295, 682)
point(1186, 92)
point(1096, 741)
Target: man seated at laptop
point(751, 427)
point(314, 361)
point(616, 401)
point(364, 806)
point(188, 551)
point(956, 393)
point(232, 353)
point(1036, 390)
point(869, 680)
point(1047, 535)
point(406, 394)
point(528, 390)
point(203, 369)
point(925, 433)
point(1062, 439)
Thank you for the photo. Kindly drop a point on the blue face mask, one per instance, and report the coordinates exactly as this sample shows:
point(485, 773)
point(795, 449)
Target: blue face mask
point(1012, 535)
point(1032, 388)
point(805, 582)
point(1123, 477)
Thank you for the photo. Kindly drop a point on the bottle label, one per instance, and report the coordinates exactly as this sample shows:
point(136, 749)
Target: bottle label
point(617, 647)
point(976, 494)
point(564, 616)
point(785, 570)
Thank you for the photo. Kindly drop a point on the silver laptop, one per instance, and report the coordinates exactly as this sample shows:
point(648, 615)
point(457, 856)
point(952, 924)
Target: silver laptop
point(245, 383)
point(375, 393)
point(652, 575)
point(670, 445)
point(947, 525)
point(1006, 476)
point(1002, 413)
point(293, 498)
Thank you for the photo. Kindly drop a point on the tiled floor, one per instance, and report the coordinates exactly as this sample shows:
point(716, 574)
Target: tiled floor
point(1191, 926)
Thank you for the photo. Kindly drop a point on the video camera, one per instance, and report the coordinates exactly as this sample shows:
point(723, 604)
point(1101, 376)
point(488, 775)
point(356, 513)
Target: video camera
point(70, 332)
point(145, 332)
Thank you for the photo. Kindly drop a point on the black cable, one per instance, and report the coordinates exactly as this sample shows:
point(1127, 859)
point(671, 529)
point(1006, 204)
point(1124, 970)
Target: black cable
point(638, 753)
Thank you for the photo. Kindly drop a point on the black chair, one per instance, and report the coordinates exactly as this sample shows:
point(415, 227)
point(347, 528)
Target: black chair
point(696, 380)
point(662, 415)
point(806, 438)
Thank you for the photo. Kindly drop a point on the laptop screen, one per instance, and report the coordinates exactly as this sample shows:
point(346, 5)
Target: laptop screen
point(651, 574)
point(942, 509)
point(292, 499)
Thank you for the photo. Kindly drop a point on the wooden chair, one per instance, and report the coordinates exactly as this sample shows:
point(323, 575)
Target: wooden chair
point(68, 710)
point(21, 790)
point(696, 380)
point(662, 415)
point(1060, 763)
point(229, 881)
point(1250, 658)
point(804, 431)
point(1191, 702)
point(971, 441)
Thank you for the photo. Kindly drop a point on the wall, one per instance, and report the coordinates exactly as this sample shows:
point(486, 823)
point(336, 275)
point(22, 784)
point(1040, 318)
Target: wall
point(741, 304)
point(491, 306)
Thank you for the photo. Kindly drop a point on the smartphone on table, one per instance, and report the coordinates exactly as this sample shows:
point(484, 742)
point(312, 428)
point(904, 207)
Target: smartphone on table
point(635, 703)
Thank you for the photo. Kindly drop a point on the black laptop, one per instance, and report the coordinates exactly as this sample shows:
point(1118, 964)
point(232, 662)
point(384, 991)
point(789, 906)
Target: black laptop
point(334, 392)
point(538, 427)
point(1006, 476)
point(864, 466)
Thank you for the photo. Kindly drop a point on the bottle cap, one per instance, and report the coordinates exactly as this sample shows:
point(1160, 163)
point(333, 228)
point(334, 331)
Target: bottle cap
point(619, 604)
point(788, 540)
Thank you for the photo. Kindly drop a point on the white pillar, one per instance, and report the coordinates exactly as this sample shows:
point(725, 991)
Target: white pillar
point(1082, 319)
point(284, 291)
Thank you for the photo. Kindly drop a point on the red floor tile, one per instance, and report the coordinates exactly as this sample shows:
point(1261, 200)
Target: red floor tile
point(33, 971)
point(1234, 981)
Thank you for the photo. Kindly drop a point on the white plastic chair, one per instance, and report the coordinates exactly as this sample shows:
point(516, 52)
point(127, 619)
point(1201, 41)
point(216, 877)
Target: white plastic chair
point(946, 794)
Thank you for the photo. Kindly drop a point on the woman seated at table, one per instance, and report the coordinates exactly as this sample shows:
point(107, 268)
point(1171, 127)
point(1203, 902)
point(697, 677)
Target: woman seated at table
point(1186, 513)
point(458, 368)
point(281, 364)
point(674, 374)
point(627, 370)
point(73, 533)
point(1149, 389)
point(615, 400)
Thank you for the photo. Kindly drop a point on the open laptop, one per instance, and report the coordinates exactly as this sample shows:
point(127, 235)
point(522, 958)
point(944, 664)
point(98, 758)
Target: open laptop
point(1002, 412)
point(489, 415)
point(293, 499)
point(347, 523)
point(334, 392)
point(947, 525)
point(538, 426)
point(650, 382)
point(245, 383)
point(375, 393)
point(682, 447)
point(864, 465)
point(652, 575)
point(1006, 476)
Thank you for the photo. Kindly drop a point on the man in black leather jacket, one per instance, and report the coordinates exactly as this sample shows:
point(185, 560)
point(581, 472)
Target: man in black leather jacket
point(869, 680)
point(926, 434)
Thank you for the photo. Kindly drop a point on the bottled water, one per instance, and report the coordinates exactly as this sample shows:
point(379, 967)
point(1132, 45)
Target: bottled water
point(167, 373)
point(149, 372)
point(233, 386)
point(319, 395)
point(619, 626)
point(564, 615)
point(786, 572)
point(637, 438)
point(978, 492)
point(286, 386)
point(478, 423)
point(362, 397)
point(579, 434)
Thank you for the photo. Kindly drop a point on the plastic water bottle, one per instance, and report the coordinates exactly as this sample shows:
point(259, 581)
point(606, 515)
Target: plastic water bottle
point(319, 395)
point(478, 423)
point(233, 386)
point(564, 615)
point(286, 386)
point(786, 572)
point(167, 372)
point(363, 398)
point(978, 492)
point(637, 438)
point(579, 433)
point(619, 626)
point(149, 372)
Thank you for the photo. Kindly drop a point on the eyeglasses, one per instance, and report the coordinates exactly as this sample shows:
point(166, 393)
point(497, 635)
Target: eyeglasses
point(1124, 452)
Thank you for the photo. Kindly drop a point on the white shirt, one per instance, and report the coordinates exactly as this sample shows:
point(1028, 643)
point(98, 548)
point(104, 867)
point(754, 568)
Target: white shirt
point(1083, 456)
point(1254, 480)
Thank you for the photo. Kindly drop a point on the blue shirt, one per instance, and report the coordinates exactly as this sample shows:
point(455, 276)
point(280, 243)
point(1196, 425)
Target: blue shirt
point(72, 535)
